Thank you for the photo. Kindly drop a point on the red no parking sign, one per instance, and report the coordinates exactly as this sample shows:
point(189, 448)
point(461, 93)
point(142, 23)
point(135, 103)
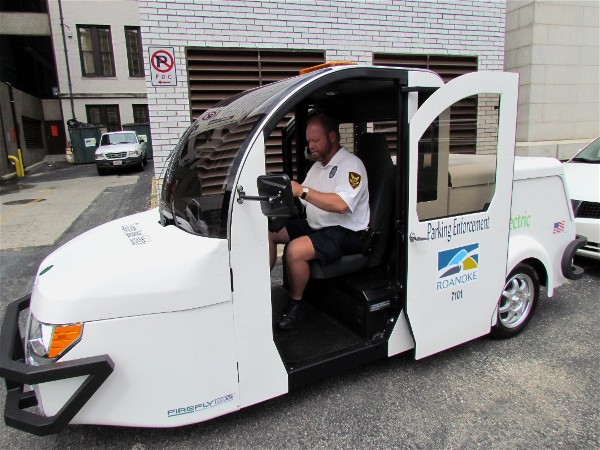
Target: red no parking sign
point(162, 66)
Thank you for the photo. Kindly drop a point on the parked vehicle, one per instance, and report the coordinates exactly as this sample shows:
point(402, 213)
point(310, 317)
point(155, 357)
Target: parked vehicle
point(119, 150)
point(178, 329)
point(583, 180)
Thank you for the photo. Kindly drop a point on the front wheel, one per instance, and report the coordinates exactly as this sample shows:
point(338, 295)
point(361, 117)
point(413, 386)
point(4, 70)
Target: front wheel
point(517, 302)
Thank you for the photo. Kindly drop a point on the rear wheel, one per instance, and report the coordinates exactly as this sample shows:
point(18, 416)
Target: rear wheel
point(517, 302)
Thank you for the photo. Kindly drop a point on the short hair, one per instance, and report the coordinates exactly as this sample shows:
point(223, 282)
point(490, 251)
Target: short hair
point(327, 122)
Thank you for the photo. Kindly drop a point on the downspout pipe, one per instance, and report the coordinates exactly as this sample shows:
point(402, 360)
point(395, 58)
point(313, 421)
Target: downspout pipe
point(64, 38)
point(11, 96)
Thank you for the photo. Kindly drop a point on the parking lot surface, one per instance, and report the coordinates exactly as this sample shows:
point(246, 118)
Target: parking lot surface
point(537, 390)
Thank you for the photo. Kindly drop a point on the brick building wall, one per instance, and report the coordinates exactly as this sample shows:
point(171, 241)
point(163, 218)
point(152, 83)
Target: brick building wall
point(345, 30)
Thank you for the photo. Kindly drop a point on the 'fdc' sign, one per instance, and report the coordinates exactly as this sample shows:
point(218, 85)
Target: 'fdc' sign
point(162, 66)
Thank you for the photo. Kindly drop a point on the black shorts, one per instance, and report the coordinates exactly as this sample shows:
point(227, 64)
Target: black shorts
point(330, 243)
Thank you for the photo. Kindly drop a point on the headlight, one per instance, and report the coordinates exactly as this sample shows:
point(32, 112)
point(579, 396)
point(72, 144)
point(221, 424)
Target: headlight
point(134, 153)
point(100, 156)
point(46, 343)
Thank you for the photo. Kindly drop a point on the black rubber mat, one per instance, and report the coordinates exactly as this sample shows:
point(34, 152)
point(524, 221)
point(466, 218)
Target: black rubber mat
point(313, 338)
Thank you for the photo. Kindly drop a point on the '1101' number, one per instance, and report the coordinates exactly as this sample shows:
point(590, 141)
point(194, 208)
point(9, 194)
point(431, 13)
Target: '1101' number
point(457, 295)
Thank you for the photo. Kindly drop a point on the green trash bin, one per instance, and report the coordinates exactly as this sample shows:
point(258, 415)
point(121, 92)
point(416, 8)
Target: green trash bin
point(84, 141)
point(143, 131)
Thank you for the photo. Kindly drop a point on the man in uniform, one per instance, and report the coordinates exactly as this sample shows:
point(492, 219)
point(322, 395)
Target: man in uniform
point(336, 195)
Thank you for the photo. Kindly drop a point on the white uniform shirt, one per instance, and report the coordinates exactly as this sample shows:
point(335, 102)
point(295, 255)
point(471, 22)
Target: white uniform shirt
point(346, 176)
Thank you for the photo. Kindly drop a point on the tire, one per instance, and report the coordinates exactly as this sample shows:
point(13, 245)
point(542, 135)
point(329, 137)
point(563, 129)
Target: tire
point(145, 160)
point(101, 172)
point(517, 302)
point(141, 165)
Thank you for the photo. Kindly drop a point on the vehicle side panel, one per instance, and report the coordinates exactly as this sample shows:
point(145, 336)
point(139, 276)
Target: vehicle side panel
point(171, 369)
point(541, 225)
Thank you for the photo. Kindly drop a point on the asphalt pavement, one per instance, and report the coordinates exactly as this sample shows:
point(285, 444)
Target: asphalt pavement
point(54, 203)
point(538, 390)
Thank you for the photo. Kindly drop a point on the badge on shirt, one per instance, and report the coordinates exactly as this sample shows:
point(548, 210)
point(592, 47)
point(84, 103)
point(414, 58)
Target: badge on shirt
point(332, 172)
point(354, 179)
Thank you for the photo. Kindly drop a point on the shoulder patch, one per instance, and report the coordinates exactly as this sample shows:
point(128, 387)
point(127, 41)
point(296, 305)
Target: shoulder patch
point(354, 179)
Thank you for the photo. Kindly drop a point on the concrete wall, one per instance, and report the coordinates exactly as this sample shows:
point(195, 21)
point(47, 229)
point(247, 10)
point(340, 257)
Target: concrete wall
point(554, 45)
point(121, 89)
point(350, 31)
point(52, 110)
point(25, 105)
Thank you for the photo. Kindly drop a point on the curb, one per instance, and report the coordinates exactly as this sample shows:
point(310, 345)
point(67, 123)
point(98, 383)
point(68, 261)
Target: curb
point(47, 159)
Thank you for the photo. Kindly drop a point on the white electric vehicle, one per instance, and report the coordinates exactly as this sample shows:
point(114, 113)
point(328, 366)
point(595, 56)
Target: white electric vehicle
point(164, 318)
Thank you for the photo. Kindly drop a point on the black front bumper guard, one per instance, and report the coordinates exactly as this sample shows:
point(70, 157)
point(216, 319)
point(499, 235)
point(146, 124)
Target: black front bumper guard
point(17, 373)
point(569, 270)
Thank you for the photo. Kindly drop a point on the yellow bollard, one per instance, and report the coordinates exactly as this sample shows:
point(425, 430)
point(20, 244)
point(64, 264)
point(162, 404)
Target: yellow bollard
point(18, 164)
point(20, 155)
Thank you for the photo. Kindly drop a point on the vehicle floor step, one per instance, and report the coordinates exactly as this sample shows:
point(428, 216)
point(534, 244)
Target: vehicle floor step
point(315, 337)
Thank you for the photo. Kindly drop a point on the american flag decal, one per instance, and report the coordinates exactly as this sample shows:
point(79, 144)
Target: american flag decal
point(559, 227)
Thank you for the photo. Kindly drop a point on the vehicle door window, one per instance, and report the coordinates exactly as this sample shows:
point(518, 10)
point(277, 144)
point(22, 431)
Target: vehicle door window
point(457, 161)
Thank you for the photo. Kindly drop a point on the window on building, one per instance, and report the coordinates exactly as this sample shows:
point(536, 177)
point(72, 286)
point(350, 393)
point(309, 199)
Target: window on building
point(133, 41)
point(107, 116)
point(455, 183)
point(463, 114)
point(140, 114)
point(95, 48)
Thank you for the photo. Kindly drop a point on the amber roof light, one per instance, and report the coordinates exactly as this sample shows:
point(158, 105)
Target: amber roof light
point(325, 65)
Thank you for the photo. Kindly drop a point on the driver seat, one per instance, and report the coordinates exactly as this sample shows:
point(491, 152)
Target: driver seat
point(374, 152)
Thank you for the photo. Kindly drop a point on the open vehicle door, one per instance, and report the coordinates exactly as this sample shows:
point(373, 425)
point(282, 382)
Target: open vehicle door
point(458, 217)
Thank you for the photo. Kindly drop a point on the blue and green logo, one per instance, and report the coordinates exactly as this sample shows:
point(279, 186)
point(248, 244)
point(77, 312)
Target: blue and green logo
point(457, 266)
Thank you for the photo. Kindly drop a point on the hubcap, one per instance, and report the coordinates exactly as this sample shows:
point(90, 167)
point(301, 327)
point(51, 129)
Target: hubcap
point(516, 300)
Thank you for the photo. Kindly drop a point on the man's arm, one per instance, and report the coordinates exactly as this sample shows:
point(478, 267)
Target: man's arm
point(330, 202)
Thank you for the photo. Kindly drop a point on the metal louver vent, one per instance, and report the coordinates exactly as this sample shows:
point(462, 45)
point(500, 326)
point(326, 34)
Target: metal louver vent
point(32, 131)
point(463, 115)
point(217, 74)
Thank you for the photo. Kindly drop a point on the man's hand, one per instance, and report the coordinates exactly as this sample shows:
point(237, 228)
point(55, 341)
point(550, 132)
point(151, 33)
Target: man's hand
point(296, 189)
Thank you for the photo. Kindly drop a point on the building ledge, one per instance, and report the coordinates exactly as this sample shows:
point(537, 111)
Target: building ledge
point(562, 150)
point(24, 24)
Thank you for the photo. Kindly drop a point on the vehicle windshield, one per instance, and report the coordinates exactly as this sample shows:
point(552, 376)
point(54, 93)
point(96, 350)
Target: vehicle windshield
point(118, 138)
point(590, 154)
point(202, 167)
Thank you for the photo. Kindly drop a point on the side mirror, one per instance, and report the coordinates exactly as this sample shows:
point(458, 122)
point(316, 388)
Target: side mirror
point(275, 195)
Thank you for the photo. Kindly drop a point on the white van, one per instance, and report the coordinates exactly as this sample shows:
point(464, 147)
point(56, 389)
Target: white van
point(179, 329)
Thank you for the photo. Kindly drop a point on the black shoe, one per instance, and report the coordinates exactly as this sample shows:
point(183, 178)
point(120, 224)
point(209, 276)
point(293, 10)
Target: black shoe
point(293, 314)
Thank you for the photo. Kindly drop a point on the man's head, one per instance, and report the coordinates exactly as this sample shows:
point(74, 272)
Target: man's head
point(322, 137)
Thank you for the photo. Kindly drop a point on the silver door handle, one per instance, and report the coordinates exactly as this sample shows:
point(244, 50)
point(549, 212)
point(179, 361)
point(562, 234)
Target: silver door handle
point(414, 238)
